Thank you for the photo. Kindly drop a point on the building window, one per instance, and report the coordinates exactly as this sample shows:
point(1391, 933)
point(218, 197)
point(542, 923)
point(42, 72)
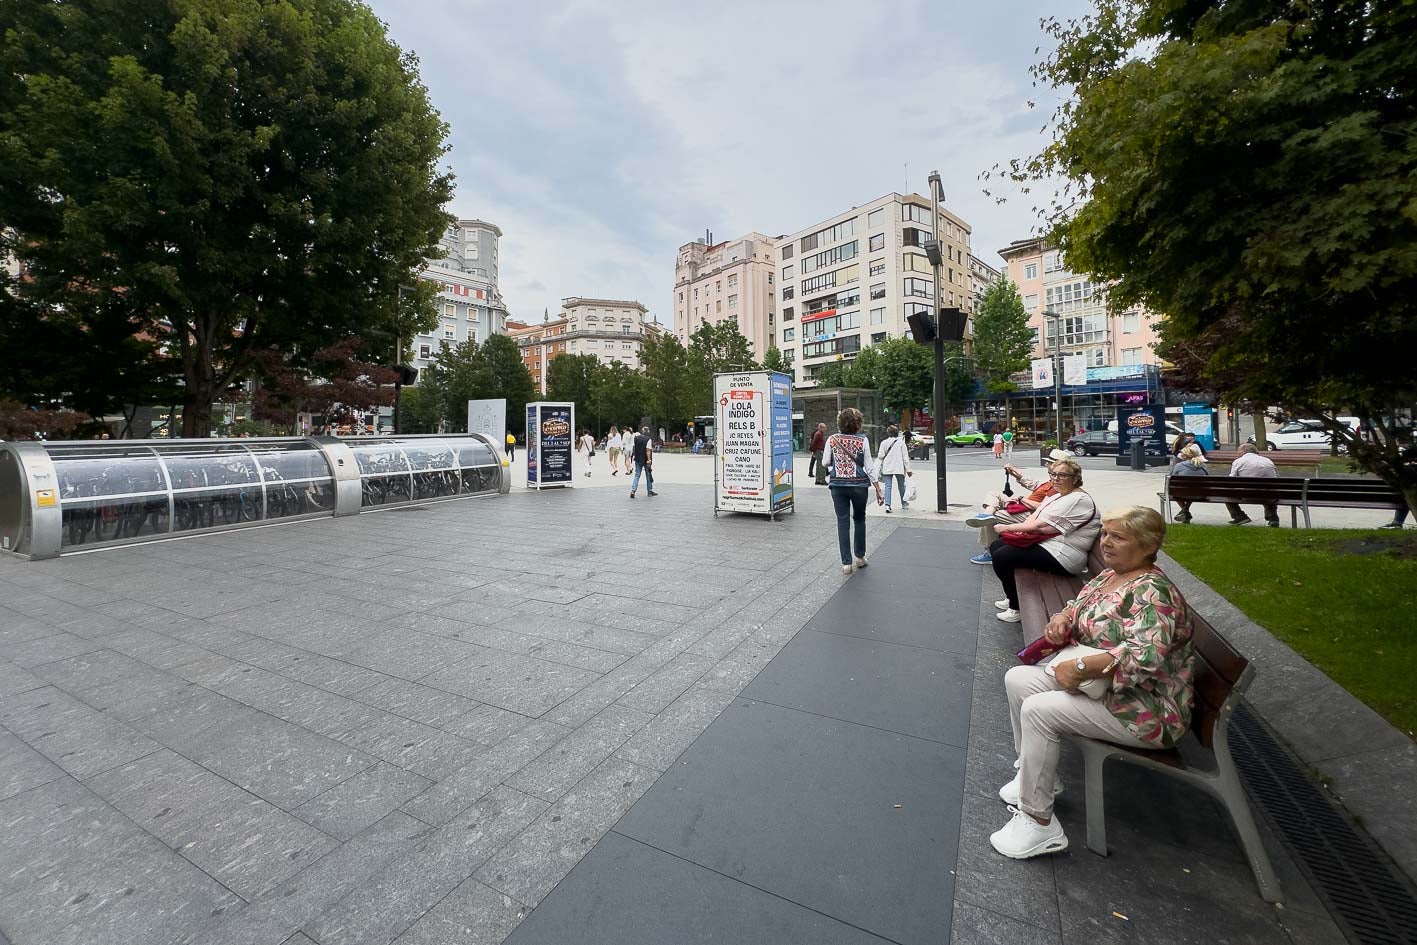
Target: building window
point(627, 330)
point(877, 243)
point(788, 272)
point(1030, 302)
point(1131, 321)
point(878, 291)
point(829, 258)
point(1052, 261)
point(733, 282)
point(718, 305)
point(696, 295)
point(788, 334)
point(1030, 271)
point(733, 301)
point(787, 293)
point(876, 217)
point(718, 286)
point(878, 267)
point(914, 262)
point(424, 351)
point(917, 288)
point(787, 314)
point(878, 337)
point(914, 213)
point(769, 278)
point(831, 234)
point(787, 249)
point(878, 316)
point(681, 296)
point(1131, 356)
point(449, 311)
point(449, 333)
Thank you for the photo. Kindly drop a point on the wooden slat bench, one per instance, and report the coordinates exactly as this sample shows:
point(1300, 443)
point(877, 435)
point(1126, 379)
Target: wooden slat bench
point(1299, 494)
point(1202, 759)
point(1298, 459)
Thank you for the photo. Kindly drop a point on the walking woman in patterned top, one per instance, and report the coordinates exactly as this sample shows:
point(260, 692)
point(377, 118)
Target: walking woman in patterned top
point(852, 471)
point(1136, 619)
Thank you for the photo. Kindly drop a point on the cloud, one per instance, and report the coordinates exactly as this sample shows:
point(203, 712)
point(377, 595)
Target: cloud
point(602, 136)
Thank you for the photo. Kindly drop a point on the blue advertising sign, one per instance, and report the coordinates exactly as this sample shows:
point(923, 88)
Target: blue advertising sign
point(1147, 423)
point(782, 496)
point(1200, 420)
point(533, 451)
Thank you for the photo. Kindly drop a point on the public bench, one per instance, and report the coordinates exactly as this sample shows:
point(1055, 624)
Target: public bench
point(1202, 759)
point(1297, 459)
point(1299, 494)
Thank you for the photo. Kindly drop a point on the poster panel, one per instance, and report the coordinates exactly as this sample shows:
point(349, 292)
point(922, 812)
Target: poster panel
point(1197, 418)
point(533, 448)
point(489, 417)
point(554, 431)
point(1146, 423)
point(1074, 370)
point(1042, 373)
point(782, 487)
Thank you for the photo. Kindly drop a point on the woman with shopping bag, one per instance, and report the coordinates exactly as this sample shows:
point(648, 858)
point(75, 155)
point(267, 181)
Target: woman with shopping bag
point(893, 465)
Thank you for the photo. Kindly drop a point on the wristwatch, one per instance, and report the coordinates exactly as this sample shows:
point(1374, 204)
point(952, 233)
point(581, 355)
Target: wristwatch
point(1081, 665)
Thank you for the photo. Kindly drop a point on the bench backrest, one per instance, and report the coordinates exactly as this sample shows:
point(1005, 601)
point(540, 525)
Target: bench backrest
point(1218, 669)
point(1360, 491)
point(1237, 488)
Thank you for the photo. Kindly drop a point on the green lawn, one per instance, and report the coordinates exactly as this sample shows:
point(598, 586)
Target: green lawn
point(1344, 599)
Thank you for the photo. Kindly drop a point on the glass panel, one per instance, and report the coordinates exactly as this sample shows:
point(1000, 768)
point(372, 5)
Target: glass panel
point(479, 479)
point(210, 508)
point(292, 464)
point(435, 484)
point(475, 453)
point(199, 468)
point(284, 499)
point(379, 490)
point(89, 521)
point(426, 455)
point(87, 474)
point(380, 460)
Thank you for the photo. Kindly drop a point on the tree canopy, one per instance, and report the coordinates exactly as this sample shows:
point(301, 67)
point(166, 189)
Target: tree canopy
point(1003, 340)
point(1253, 166)
point(211, 180)
point(572, 378)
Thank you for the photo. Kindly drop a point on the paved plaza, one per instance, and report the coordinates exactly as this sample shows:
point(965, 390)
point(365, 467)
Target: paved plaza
point(562, 717)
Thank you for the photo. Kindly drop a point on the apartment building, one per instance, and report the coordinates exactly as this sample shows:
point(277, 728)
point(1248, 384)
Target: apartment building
point(733, 281)
point(853, 279)
point(610, 329)
point(981, 277)
point(1088, 328)
point(469, 304)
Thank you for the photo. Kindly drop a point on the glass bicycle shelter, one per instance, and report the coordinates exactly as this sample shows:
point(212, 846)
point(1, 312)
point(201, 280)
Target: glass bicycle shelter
point(63, 497)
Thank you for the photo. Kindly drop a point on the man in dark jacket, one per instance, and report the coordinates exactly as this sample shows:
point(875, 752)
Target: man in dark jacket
point(816, 467)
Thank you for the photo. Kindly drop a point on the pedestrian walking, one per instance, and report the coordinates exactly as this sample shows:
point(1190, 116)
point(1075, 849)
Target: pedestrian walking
point(998, 445)
point(587, 446)
point(816, 468)
point(1251, 465)
point(627, 448)
point(852, 472)
point(615, 443)
point(642, 452)
point(893, 465)
point(511, 448)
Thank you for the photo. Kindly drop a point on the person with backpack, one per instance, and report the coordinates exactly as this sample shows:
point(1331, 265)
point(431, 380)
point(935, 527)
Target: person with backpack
point(851, 471)
point(586, 445)
point(893, 463)
point(642, 451)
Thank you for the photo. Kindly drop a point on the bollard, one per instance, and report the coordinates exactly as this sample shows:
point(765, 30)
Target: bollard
point(1138, 454)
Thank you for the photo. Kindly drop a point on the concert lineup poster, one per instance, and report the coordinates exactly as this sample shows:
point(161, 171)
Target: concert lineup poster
point(556, 441)
point(753, 415)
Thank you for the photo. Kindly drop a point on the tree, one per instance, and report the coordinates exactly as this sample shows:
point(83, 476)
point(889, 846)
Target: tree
point(510, 379)
point(713, 349)
point(665, 364)
point(621, 394)
point(831, 374)
point(774, 361)
point(863, 370)
point(1253, 162)
point(572, 378)
point(1003, 340)
point(336, 378)
point(219, 177)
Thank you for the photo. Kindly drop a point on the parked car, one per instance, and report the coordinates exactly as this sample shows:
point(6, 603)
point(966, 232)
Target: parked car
point(968, 439)
point(1303, 435)
point(1094, 443)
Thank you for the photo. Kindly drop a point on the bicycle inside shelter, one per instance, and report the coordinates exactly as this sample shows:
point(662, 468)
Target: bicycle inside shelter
point(57, 498)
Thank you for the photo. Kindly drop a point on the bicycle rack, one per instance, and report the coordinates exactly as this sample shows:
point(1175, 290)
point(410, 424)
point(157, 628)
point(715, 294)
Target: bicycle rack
point(63, 497)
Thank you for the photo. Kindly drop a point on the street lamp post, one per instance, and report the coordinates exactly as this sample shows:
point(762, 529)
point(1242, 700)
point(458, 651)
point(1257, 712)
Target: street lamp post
point(1057, 370)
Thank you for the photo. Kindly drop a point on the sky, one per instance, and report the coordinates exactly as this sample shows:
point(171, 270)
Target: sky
point(602, 136)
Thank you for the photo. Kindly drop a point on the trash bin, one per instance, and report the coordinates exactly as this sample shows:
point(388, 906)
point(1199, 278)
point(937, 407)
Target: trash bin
point(919, 451)
point(1138, 454)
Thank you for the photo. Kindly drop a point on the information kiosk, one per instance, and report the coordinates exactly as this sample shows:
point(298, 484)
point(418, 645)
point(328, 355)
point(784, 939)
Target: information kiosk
point(550, 444)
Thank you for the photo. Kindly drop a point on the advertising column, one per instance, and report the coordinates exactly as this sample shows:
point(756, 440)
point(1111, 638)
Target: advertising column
point(549, 444)
point(1147, 424)
point(753, 465)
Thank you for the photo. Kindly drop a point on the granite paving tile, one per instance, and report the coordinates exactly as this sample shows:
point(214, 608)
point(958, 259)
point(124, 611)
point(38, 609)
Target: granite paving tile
point(15, 679)
point(435, 707)
point(351, 806)
point(523, 684)
point(527, 868)
point(488, 724)
point(660, 742)
point(563, 765)
point(469, 784)
point(76, 737)
point(973, 925)
point(666, 684)
point(22, 768)
point(46, 649)
point(422, 749)
point(472, 914)
point(235, 837)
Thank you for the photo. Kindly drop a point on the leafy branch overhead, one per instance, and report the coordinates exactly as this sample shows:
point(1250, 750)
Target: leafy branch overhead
point(1250, 172)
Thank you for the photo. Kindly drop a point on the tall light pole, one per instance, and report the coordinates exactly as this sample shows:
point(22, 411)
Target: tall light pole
point(1057, 369)
point(941, 500)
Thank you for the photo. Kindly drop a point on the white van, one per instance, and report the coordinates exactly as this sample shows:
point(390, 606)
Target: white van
point(1305, 435)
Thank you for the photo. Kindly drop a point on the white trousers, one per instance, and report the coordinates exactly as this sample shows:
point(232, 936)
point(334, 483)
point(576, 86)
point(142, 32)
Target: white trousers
point(1041, 712)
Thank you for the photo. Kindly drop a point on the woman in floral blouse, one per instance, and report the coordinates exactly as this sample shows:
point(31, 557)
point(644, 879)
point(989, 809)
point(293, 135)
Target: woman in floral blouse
point(1137, 617)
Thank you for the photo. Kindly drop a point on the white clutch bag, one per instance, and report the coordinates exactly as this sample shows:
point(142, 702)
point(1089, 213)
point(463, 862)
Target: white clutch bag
point(1092, 688)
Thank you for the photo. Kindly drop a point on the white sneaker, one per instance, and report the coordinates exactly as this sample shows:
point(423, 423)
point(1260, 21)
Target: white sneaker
point(1009, 615)
point(1009, 793)
point(980, 520)
point(1002, 604)
point(846, 569)
point(861, 563)
point(1023, 837)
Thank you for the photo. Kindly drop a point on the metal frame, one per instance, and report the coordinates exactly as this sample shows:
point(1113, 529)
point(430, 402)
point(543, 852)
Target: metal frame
point(1223, 784)
point(32, 503)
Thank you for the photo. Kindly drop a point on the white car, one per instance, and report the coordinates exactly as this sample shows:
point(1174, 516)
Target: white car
point(1303, 435)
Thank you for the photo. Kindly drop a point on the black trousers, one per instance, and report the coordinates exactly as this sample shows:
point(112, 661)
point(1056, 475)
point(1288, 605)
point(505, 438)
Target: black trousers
point(1008, 559)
